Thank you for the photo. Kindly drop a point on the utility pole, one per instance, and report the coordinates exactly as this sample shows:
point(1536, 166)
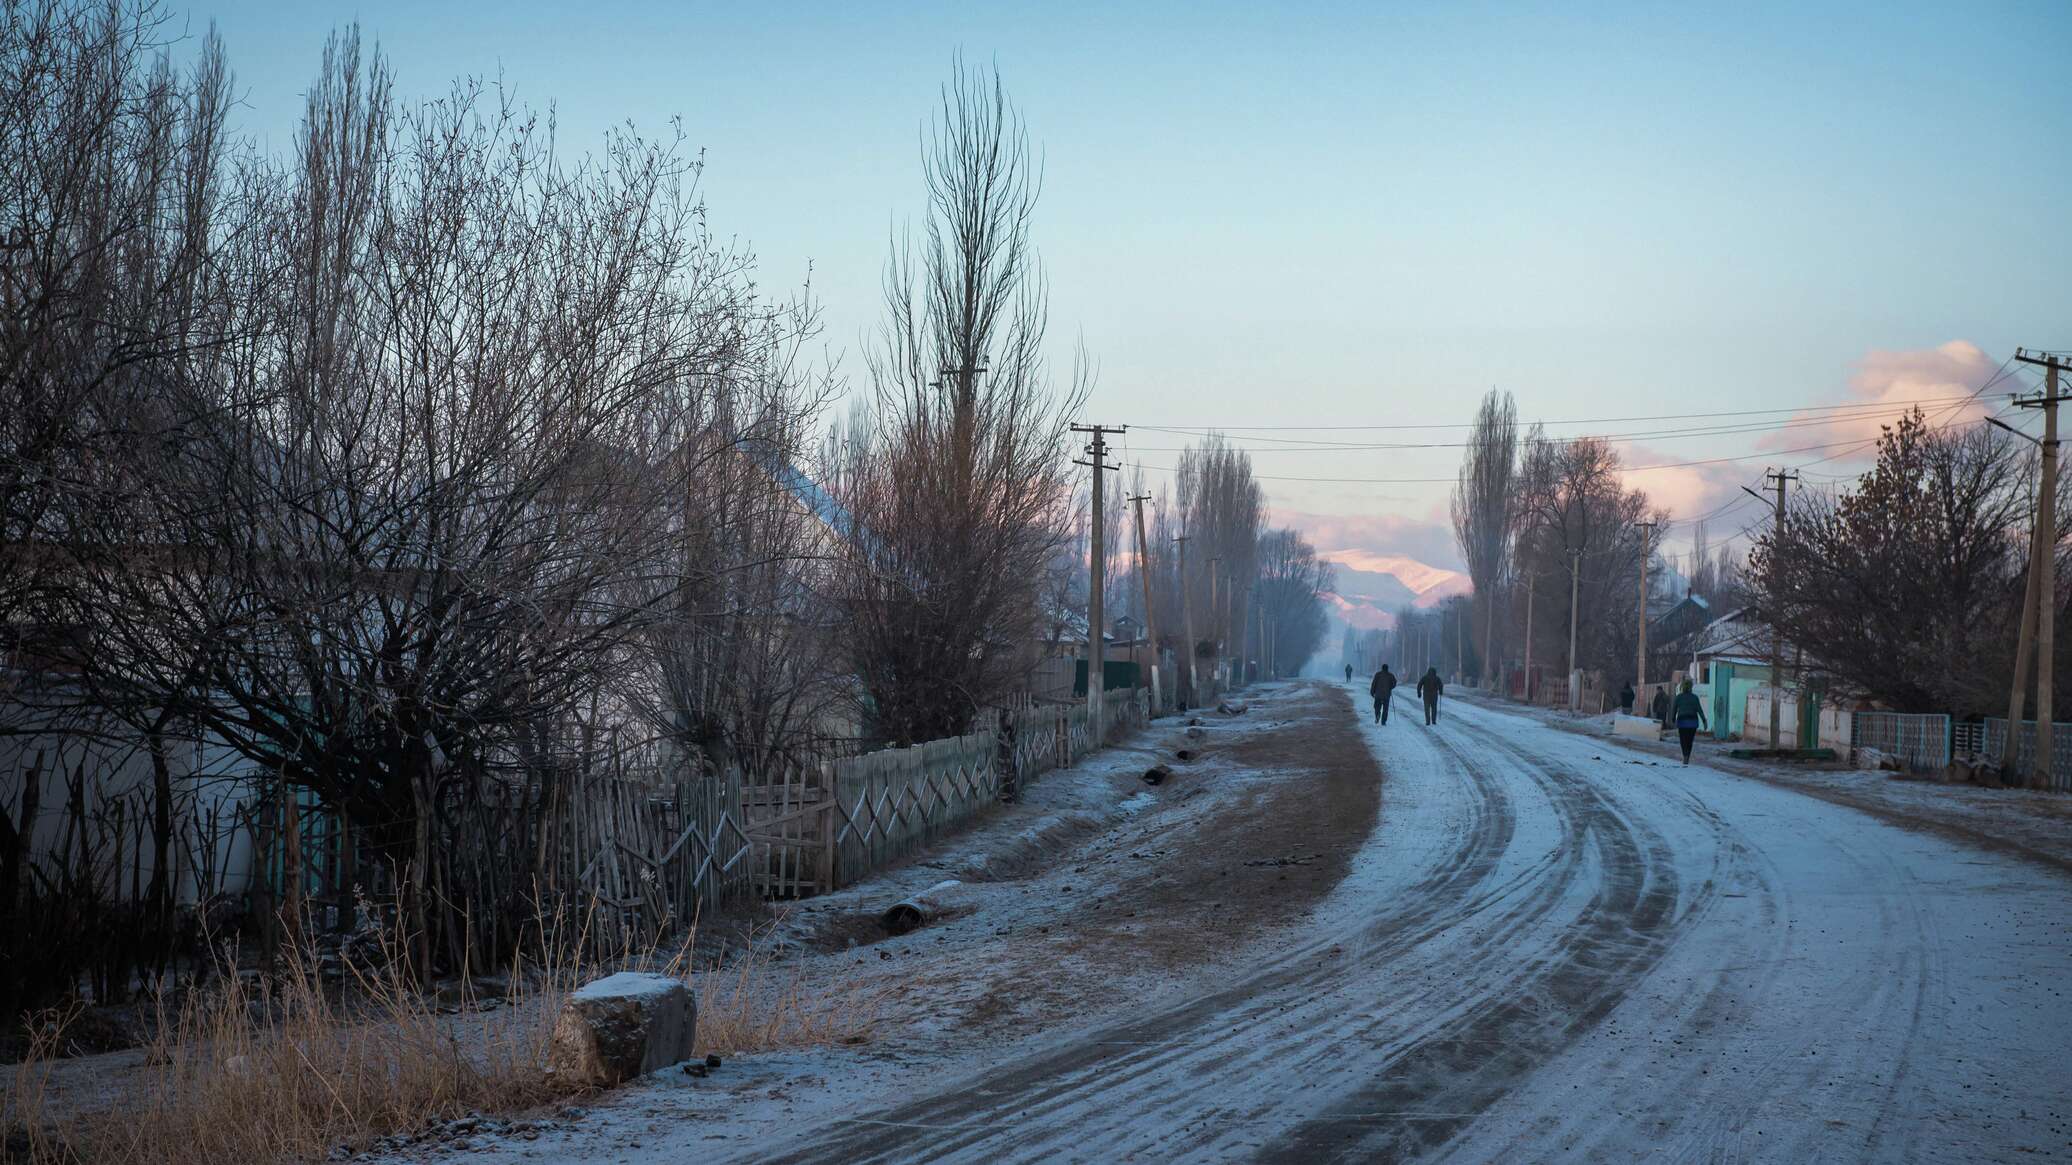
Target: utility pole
point(1186, 621)
point(1532, 585)
point(1216, 620)
point(1144, 577)
point(1489, 667)
point(2046, 540)
point(1096, 618)
point(1460, 649)
point(1640, 667)
point(1575, 593)
point(2025, 639)
point(1779, 479)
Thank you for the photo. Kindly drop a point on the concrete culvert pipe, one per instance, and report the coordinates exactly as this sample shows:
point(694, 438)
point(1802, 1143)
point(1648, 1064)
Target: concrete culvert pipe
point(918, 910)
point(1157, 774)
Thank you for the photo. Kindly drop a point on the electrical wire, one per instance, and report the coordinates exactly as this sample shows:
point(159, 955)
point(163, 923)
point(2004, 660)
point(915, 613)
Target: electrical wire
point(1198, 431)
point(1313, 445)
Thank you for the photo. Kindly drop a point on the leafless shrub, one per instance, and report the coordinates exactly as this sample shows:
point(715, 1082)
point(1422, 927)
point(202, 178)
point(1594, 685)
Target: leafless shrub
point(958, 494)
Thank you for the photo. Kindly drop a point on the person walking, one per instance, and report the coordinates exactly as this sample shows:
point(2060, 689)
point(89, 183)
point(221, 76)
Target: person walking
point(1383, 689)
point(1348, 674)
point(1429, 687)
point(1690, 716)
point(1626, 698)
point(1660, 708)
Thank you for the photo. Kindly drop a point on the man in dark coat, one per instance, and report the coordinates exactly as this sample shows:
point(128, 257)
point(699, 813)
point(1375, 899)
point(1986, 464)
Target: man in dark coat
point(1660, 708)
point(1626, 698)
point(1429, 687)
point(1383, 689)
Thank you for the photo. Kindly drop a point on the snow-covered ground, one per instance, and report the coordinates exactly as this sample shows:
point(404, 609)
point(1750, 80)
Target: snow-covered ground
point(1546, 947)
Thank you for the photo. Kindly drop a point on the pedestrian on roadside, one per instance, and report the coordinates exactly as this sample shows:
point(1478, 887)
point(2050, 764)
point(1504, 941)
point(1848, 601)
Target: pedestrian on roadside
point(1348, 673)
point(1690, 716)
point(1383, 689)
point(1626, 698)
point(1429, 687)
point(1660, 708)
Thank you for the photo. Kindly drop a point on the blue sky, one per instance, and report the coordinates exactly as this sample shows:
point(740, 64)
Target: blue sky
point(1364, 214)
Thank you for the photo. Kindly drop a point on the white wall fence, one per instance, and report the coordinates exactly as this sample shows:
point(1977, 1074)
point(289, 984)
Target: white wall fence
point(1834, 725)
point(1993, 749)
point(1920, 740)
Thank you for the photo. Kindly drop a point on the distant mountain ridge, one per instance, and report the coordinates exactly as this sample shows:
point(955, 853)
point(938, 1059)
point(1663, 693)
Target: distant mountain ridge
point(1372, 586)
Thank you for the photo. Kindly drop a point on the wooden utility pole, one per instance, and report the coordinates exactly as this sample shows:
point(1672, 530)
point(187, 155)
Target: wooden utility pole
point(1532, 585)
point(1096, 618)
point(1187, 621)
point(1489, 668)
point(1575, 593)
point(2045, 566)
point(1144, 577)
point(1460, 650)
point(1779, 478)
point(2025, 639)
point(1640, 665)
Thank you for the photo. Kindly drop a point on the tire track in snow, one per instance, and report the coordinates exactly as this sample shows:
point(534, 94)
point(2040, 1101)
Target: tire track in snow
point(1593, 908)
point(1557, 991)
point(1017, 1101)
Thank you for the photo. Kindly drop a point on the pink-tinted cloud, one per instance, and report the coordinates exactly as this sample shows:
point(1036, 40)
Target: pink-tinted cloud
point(1883, 386)
point(1426, 540)
point(1686, 491)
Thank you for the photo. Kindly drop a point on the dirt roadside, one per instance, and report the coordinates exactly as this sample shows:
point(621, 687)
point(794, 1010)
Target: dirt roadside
point(1250, 832)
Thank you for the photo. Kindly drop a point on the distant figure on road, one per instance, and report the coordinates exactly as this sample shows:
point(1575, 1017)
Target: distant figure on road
point(1429, 687)
point(1690, 716)
point(1660, 709)
point(1383, 689)
point(1348, 673)
point(1626, 698)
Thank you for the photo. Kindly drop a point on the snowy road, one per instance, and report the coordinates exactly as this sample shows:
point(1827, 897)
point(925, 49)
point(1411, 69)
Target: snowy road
point(1551, 947)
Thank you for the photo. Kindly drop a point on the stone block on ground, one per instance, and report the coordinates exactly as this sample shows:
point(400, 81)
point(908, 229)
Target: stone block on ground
point(621, 1026)
point(1643, 727)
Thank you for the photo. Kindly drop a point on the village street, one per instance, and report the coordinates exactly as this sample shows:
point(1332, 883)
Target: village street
point(1544, 946)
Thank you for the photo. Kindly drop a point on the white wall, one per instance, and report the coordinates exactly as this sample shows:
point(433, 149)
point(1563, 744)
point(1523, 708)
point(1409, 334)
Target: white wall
point(48, 739)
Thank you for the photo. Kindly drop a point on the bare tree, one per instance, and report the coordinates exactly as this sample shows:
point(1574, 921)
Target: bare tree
point(414, 521)
point(1223, 509)
point(1292, 584)
point(1483, 521)
point(111, 187)
point(961, 498)
point(1906, 588)
point(1579, 524)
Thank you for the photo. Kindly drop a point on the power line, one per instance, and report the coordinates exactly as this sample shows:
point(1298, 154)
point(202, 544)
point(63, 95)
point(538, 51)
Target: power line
point(1444, 480)
point(1218, 430)
point(1314, 445)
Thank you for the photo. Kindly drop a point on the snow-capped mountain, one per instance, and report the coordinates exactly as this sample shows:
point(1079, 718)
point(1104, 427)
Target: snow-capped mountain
point(1372, 586)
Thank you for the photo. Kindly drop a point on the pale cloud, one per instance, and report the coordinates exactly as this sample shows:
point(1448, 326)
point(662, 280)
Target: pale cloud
point(1686, 491)
point(1427, 540)
point(1889, 380)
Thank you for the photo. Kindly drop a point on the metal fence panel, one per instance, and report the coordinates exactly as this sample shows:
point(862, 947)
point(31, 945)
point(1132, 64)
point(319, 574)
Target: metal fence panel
point(1921, 740)
point(1995, 749)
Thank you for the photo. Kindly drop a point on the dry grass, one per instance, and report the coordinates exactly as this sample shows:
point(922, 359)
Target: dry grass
point(250, 1075)
point(755, 1003)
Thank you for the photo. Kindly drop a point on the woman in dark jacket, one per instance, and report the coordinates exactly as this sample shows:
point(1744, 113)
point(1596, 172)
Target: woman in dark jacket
point(1689, 714)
